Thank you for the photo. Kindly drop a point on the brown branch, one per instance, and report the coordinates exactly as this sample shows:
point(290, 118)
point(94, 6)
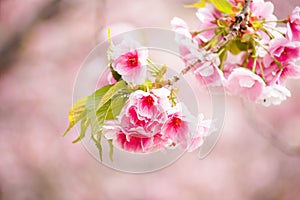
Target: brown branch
point(240, 25)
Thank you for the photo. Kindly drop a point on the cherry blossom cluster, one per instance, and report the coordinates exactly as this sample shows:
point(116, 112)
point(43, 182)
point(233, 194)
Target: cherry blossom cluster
point(256, 62)
point(151, 119)
point(135, 109)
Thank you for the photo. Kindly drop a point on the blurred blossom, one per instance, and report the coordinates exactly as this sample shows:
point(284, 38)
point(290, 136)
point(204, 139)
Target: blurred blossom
point(36, 92)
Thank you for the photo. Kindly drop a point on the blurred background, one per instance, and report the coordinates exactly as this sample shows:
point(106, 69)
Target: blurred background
point(42, 45)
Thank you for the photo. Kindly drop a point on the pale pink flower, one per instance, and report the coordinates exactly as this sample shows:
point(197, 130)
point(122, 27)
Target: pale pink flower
point(273, 94)
point(208, 17)
point(207, 71)
point(188, 46)
point(129, 60)
point(243, 82)
point(111, 79)
point(181, 28)
point(286, 53)
point(203, 129)
point(232, 62)
point(293, 26)
point(263, 11)
point(106, 78)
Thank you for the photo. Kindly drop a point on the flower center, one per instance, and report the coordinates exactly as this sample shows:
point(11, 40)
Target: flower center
point(176, 122)
point(133, 60)
point(148, 100)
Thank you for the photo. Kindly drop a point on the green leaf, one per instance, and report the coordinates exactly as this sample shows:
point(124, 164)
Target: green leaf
point(223, 57)
point(115, 74)
point(94, 99)
point(117, 104)
point(76, 113)
point(236, 46)
point(98, 123)
point(111, 92)
point(223, 6)
point(83, 127)
point(111, 149)
point(96, 136)
point(199, 4)
point(246, 38)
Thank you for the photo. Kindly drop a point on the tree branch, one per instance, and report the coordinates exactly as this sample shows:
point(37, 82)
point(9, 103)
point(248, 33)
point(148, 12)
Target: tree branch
point(240, 25)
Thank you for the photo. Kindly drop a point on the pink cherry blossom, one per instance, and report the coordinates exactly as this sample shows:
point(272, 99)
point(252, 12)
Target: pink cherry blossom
point(232, 62)
point(243, 82)
point(263, 11)
point(188, 45)
point(178, 126)
point(207, 71)
point(129, 60)
point(274, 94)
point(132, 143)
point(106, 78)
point(293, 26)
point(208, 17)
point(138, 128)
point(181, 28)
point(203, 129)
point(143, 115)
point(286, 53)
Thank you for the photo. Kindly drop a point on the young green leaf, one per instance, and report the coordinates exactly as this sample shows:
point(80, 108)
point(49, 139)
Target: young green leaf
point(117, 103)
point(98, 124)
point(83, 126)
point(223, 6)
point(76, 113)
point(114, 73)
point(96, 136)
point(223, 57)
point(111, 149)
point(94, 99)
point(111, 92)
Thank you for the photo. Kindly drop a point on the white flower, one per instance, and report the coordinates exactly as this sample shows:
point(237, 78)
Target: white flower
point(273, 94)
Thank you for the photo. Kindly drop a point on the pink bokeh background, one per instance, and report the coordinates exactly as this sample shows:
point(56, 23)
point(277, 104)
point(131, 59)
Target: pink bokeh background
point(42, 45)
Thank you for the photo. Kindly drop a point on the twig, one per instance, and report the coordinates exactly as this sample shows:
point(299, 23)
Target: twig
point(240, 25)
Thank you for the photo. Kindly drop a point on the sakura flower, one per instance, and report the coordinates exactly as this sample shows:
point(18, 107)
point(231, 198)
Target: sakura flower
point(293, 26)
point(204, 128)
point(129, 60)
point(138, 128)
point(244, 83)
point(106, 78)
point(232, 62)
point(207, 17)
point(181, 28)
point(143, 115)
point(132, 143)
point(178, 126)
point(281, 63)
point(188, 46)
point(274, 94)
point(207, 71)
point(262, 10)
